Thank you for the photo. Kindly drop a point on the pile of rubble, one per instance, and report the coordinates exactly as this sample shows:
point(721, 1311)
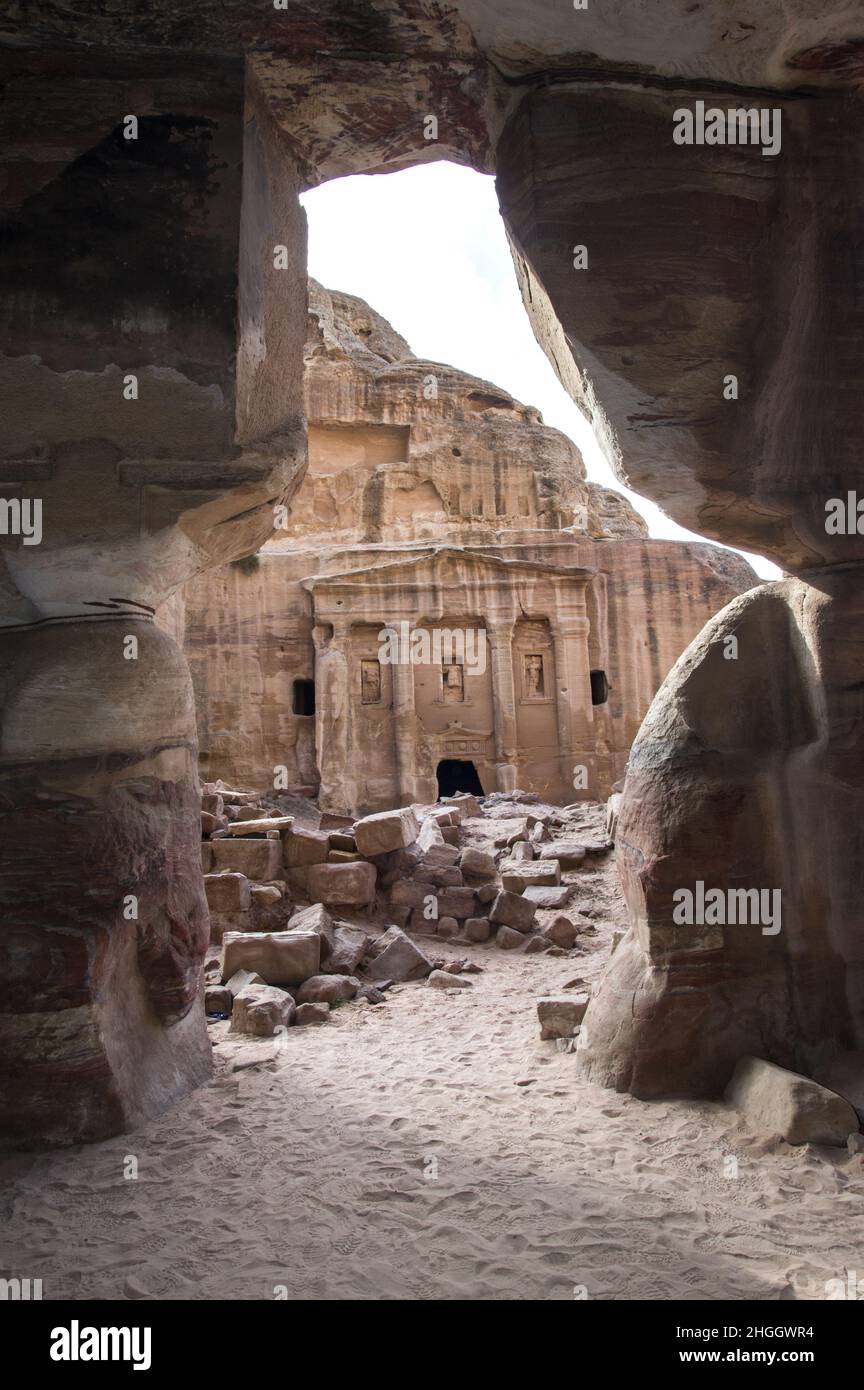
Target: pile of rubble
point(285, 898)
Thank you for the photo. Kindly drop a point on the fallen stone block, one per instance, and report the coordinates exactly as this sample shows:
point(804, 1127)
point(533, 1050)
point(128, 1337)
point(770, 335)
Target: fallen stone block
point(327, 989)
point(522, 852)
point(508, 939)
point(457, 902)
point(478, 929)
point(257, 859)
point(342, 885)
point(512, 910)
point(442, 979)
point(262, 826)
point(450, 834)
point(394, 956)
point(549, 897)
point(447, 927)
point(311, 1013)
point(560, 1015)
point(569, 853)
point(487, 893)
point(776, 1101)
point(212, 803)
point(240, 979)
point(476, 863)
point(228, 892)
point(440, 856)
point(386, 830)
point(304, 847)
point(412, 892)
point(347, 949)
point(280, 958)
point(561, 931)
point(429, 835)
point(260, 1010)
point(464, 802)
point(536, 944)
point(542, 873)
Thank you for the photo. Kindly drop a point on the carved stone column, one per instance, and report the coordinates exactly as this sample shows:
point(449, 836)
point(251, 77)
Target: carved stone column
point(573, 696)
point(405, 722)
point(499, 634)
point(333, 718)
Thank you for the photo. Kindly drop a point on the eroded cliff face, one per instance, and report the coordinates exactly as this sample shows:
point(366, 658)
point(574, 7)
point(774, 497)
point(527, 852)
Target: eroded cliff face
point(434, 500)
point(152, 256)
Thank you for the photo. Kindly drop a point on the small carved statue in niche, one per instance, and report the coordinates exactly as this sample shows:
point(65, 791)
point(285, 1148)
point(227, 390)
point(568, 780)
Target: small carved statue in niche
point(534, 683)
point(453, 684)
point(370, 682)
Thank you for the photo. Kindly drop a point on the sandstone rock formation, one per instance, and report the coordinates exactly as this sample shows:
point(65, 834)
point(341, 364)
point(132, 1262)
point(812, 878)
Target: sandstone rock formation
point(154, 315)
point(435, 503)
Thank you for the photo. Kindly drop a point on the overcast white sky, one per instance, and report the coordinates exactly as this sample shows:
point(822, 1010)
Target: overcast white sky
point(426, 248)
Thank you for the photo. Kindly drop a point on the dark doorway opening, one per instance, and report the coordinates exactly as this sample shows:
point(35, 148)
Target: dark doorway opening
point(454, 776)
point(599, 688)
point(303, 700)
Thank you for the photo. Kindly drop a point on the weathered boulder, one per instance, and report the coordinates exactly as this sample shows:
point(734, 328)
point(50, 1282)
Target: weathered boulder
point(447, 927)
point(561, 1014)
point(311, 1014)
point(229, 901)
point(508, 939)
point(476, 863)
point(342, 885)
point(465, 803)
point(569, 853)
point(347, 949)
point(280, 958)
point(257, 859)
point(457, 902)
point(255, 825)
point(327, 989)
point(261, 1009)
point(542, 873)
point(549, 897)
point(477, 929)
point(240, 979)
point(443, 979)
point(512, 910)
point(386, 830)
point(394, 956)
point(776, 1101)
point(303, 847)
point(561, 931)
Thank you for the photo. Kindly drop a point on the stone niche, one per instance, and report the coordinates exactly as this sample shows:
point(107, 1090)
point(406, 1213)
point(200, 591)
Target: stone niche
point(531, 619)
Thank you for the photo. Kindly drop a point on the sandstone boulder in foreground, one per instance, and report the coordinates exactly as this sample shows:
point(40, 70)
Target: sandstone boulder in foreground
point(280, 958)
point(397, 957)
point(261, 1009)
point(560, 1015)
point(342, 885)
point(776, 1101)
point(386, 830)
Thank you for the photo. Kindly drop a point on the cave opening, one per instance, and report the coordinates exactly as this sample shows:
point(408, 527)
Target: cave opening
point(599, 688)
point(458, 775)
point(303, 697)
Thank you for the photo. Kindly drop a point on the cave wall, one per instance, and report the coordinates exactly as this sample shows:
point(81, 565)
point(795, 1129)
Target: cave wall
point(154, 258)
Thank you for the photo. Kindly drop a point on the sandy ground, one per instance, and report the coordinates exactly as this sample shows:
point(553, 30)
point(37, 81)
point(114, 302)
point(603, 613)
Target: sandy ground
point(433, 1148)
